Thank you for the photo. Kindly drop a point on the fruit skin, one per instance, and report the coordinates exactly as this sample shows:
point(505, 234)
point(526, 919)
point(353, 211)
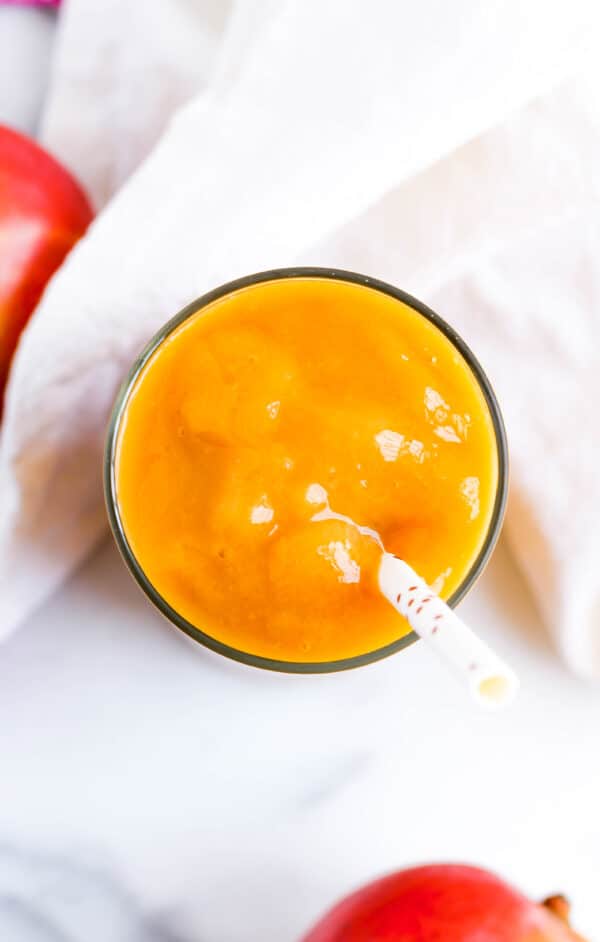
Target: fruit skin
point(43, 212)
point(441, 903)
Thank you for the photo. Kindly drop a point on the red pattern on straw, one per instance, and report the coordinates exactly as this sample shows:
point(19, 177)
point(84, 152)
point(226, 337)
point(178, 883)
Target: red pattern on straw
point(491, 681)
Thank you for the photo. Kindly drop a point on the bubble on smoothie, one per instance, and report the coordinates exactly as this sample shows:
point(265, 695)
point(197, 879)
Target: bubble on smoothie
point(447, 433)
point(438, 583)
point(449, 427)
point(392, 445)
point(389, 444)
point(461, 424)
point(316, 494)
point(241, 503)
point(339, 554)
point(262, 512)
point(469, 489)
point(417, 449)
point(434, 401)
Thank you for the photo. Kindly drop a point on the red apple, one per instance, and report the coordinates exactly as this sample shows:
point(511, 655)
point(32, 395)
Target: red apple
point(43, 212)
point(443, 903)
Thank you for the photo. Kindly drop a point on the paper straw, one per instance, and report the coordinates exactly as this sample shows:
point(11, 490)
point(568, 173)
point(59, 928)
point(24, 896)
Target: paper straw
point(491, 682)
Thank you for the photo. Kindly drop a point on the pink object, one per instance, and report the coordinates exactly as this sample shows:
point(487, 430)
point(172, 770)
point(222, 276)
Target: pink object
point(30, 3)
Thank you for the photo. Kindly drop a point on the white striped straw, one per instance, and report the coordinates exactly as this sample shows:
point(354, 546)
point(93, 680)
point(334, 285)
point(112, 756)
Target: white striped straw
point(491, 682)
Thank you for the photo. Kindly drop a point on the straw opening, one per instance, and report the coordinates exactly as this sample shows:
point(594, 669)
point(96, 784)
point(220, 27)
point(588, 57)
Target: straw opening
point(495, 691)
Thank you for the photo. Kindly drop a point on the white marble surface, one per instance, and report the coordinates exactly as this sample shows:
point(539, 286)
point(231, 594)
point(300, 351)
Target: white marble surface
point(146, 779)
point(153, 792)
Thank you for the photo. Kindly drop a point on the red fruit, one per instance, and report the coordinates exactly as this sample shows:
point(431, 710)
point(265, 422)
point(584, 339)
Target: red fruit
point(43, 212)
point(443, 903)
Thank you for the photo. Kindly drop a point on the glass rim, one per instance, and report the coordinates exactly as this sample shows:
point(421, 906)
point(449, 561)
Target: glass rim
point(121, 401)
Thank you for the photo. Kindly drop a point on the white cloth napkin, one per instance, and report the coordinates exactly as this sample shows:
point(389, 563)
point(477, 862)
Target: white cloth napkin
point(450, 148)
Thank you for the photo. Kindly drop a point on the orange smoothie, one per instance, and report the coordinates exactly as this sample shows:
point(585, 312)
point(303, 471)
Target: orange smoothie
point(282, 435)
